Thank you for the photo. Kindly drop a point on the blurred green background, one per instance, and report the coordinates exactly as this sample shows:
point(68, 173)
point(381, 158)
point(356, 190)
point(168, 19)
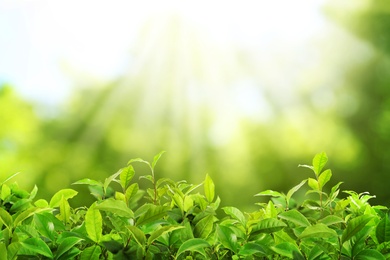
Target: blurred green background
point(243, 92)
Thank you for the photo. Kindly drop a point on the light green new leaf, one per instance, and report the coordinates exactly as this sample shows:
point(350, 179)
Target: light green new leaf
point(270, 193)
point(109, 179)
point(91, 253)
point(66, 245)
point(5, 192)
point(6, 218)
point(89, 182)
point(65, 210)
point(33, 193)
point(269, 225)
point(383, 230)
point(236, 214)
point(331, 220)
point(126, 176)
point(94, 224)
point(57, 197)
point(295, 217)
point(3, 251)
point(227, 237)
point(117, 207)
point(37, 245)
point(26, 214)
point(354, 226)
point(138, 235)
point(152, 213)
point(324, 177)
point(319, 162)
point(161, 231)
point(209, 188)
point(319, 230)
point(131, 191)
point(293, 190)
point(204, 227)
point(369, 254)
point(156, 158)
point(195, 244)
point(313, 184)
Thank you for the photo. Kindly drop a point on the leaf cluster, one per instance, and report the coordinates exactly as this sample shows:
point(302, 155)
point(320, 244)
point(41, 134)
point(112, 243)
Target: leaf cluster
point(180, 221)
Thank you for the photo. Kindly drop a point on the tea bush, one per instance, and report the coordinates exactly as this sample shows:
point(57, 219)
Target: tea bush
point(178, 220)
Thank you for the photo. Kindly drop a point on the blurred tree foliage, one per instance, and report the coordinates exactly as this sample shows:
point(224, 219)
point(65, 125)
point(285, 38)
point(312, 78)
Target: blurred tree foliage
point(158, 108)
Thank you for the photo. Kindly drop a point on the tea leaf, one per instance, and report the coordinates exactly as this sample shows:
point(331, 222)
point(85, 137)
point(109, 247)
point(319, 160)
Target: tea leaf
point(47, 225)
point(331, 220)
point(318, 230)
point(156, 158)
point(6, 218)
point(194, 244)
point(10, 177)
point(66, 245)
point(319, 162)
point(269, 225)
point(354, 226)
point(57, 197)
point(26, 214)
point(94, 224)
point(91, 253)
point(65, 210)
point(108, 180)
point(37, 245)
point(383, 230)
point(126, 176)
point(313, 184)
point(252, 248)
point(209, 188)
point(295, 217)
point(5, 192)
point(159, 232)
point(270, 193)
point(236, 214)
point(204, 227)
point(324, 177)
point(293, 190)
point(3, 251)
point(88, 182)
point(138, 235)
point(287, 249)
point(131, 191)
point(117, 207)
point(227, 237)
point(369, 254)
point(152, 213)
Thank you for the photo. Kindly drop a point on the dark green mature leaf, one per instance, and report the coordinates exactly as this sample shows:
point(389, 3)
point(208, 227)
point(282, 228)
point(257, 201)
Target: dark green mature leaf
point(152, 213)
point(354, 226)
point(319, 230)
point(204, 227)
point(383, 230)
point(319, 162)
point(194, 244)
point(91, 253)
point(369, 254)
point(138, 235)
point(252, 248)
point(37, 246)
point(236, 214)
point(287, 249)
point(209, 188)
point(227, 237)
point(117, 207)
point(94, 224)
point(295, 217)
point(66, 245)
point(48, 225)
point(269, 225)
point(57, 197)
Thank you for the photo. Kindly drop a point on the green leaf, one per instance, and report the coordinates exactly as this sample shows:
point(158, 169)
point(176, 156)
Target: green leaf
point(319, 230)
point(293, 190)
point(354, 226)
point(138, 235)
point(48, 225)
point(152, 213)
point(26, 214)
point(10, 177)
point(156, 158)
point(89, 182)
point(6, 218)
point(94, 224)
point(194, 244)
point(383, 230)
point(287, 249)
point(369, 254)
point(33, 193)
point(161, 231)
point(295, 217)
point(236, 214)
point(270, 193)
point(3, 251)
point(252, 248)
point(313, 184)
point(331, 220)
point(324, 177)
point(126, 176)
point(109, 179)
point(66, 245)
point(117, 207)
point(13, 250)
point(131, 191)
point(91, 253)
point(269, 225)
point(227, 237)
point(5, 192)
point(57, 197)
point(319, 162)
point(209, 188)
point(36, 245)
point(204, 227)
point(65, 210)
